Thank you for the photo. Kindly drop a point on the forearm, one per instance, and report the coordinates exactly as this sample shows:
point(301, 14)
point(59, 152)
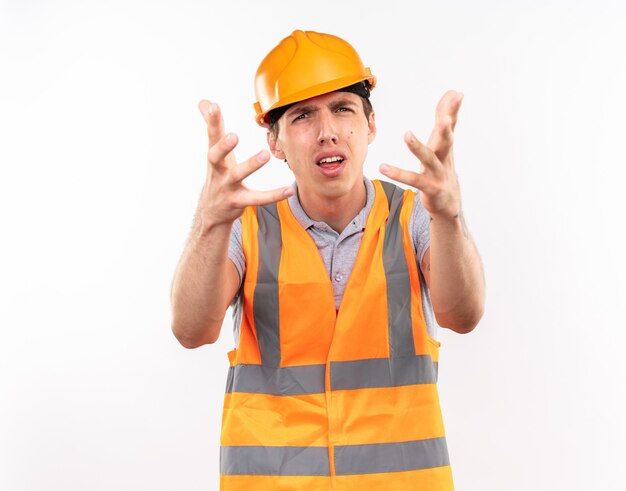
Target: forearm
point(457, 284)
point(201, 285)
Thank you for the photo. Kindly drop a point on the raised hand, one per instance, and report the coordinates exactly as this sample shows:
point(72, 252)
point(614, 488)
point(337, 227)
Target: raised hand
point(437, 180)
point(224, 196)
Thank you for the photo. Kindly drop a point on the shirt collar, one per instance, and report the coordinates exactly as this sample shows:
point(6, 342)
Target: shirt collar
point(358, 221)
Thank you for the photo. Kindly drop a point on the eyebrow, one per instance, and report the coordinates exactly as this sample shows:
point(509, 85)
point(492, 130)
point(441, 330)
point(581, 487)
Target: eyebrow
point(301, 110)
point(342, 102)
point(313, 107)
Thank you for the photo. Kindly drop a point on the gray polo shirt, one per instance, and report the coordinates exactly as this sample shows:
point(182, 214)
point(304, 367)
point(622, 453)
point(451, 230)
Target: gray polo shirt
point(339, 250)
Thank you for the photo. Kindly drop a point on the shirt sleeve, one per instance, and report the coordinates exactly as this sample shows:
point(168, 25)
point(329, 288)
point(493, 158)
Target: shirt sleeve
point(235, 250)
point(419, 225)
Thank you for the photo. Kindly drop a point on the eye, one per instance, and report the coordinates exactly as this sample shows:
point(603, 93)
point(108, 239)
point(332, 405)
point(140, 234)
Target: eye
point(344, 109)
point(300, 116)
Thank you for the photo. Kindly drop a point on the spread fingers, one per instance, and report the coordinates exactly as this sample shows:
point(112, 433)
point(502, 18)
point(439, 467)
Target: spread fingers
point(219, 152)
point(243, 170)
point(425, 155)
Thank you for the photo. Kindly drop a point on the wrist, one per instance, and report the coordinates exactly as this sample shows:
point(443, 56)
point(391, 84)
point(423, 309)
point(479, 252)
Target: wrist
point(450, 223)
point(206, 226)
point(446, 217)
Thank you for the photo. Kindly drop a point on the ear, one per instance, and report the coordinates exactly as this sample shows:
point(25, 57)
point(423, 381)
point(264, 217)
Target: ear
point(275, 146)
point(371, 125)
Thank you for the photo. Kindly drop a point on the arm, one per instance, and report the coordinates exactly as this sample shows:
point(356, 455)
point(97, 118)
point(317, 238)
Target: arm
point(204, 284)
point(205, 281)
point(452, 267)
point(458, 288)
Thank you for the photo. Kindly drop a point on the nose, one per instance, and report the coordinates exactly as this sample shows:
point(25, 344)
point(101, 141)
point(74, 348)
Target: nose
point(327, 131)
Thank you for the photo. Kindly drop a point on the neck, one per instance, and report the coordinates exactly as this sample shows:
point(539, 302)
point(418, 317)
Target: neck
point(337, 211)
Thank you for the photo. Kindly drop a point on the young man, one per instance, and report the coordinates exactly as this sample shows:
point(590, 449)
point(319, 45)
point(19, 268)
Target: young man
point(332, 384)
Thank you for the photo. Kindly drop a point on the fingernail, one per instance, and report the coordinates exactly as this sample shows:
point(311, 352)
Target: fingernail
point(210, 108)
point(229, 139)
point(410, 136)
point(384, 168)
point(262, 156)
point(288, 192)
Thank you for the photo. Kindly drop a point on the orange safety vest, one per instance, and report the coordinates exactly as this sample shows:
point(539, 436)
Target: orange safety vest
point(320, 399)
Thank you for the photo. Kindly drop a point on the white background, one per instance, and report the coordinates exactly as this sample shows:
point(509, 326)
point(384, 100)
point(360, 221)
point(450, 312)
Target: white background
point(102, 155)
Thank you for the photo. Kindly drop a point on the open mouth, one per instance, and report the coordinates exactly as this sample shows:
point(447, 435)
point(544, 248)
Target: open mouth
point(331, 165)
point(331, 161)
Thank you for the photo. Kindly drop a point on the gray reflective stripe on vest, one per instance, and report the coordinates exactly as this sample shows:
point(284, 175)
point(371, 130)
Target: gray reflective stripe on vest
point(382, 372)
point(349, 459)
point(344, 375)
point(265, 300)
point(274, 461)
point(288, 381)
point(397, 277)
point(391, 457)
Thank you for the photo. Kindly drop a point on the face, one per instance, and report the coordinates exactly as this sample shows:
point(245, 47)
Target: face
point(324, 139)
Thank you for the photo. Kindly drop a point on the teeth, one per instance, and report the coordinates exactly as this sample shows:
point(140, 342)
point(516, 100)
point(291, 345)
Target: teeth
point(328, 160)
